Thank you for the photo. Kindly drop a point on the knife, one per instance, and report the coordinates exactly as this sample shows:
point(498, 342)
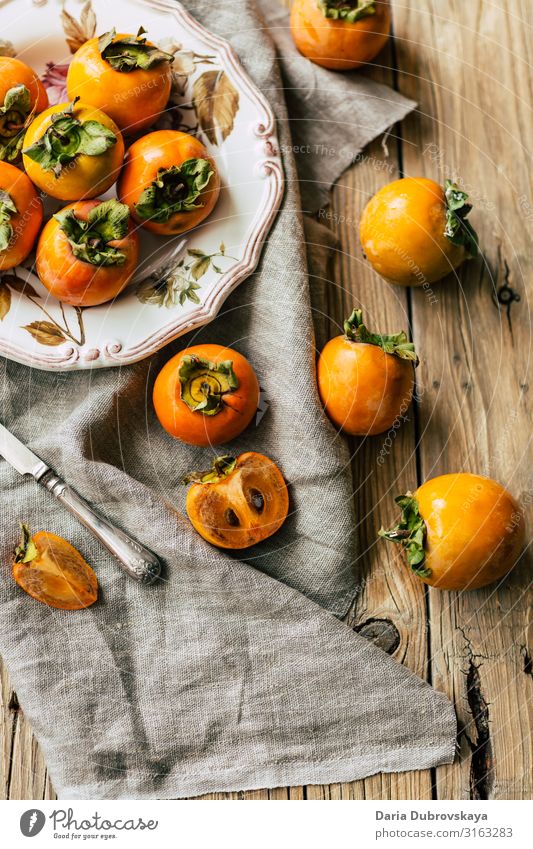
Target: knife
point(136, 560)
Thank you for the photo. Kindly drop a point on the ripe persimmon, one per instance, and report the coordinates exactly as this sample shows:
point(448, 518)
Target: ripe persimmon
point(340, 34)
point(366, 380)
point(169, 181)
point(88, 252)
point(238, 502)
point(52, 571)
point(21, 216)
point(206, 395)
point(459, 531)
point(22, 95)
point(414, 231)
point(125, 76)
point(73, 151)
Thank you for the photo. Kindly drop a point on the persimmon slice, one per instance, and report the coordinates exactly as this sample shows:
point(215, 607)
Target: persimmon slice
point(52, 571)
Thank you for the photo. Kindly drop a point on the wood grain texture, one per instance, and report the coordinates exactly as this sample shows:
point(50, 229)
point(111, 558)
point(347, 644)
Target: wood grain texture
point(473, 410)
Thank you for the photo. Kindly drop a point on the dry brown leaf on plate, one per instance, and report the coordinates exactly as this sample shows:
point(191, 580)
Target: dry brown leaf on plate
point(78, 32)
point(5, 299)
point(17, 284)
point(216, 102)
point(46, 333)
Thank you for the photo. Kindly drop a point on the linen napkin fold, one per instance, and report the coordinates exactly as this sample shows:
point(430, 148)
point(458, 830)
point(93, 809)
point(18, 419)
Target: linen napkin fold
point(226, 675)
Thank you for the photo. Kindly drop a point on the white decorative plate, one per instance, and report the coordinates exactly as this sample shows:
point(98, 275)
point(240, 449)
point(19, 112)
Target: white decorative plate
point(181, 283)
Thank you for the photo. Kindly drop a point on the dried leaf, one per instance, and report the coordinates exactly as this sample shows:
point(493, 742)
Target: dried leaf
point(46, 333)
point(5, 299)
point(216, 102)
point(17, 284)
point(77, 33)
point(199, 268)
point(7, 49)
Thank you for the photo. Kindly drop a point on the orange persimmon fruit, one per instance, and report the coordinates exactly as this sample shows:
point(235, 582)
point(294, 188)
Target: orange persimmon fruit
point(52, 571)
point(125, 76)
point(238, 502)
point(169, 181)
point(73, 151)
point(341, 35)
point(22, 95)
point(366, 380)
point(206, 395)
point(21, 216)
point(415, 232)
point(459, 531)
point(87, 253)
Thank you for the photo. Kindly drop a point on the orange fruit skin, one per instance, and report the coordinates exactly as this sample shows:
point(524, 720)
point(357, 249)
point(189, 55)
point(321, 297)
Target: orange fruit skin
point(12, 73)
point(402, 233)
point(58, 576)
point(339, 45)
point(206, 504)
point(79, 283)
point(475, 530)
point(192, 426)
point(133, 99)
point(363, 389)
point(26, 222)
point(163, 149)
point(84, 177)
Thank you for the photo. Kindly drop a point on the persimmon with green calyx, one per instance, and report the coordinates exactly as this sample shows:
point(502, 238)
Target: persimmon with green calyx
point(169, 181)
point(365, 379)
point(73, 151)
point(22, 96)
point(459, 531)
point(21, 216)
point(238, 502)
point(341, 35)
point(52, 571)
point(415, 232)
point(88, 252)
point(125, 76)
point(206, 395)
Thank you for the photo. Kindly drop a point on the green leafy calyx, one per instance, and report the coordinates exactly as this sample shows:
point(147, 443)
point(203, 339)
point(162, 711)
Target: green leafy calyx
point(397, 344)
point(15, 116)
point(27, 549)
point(458, 230)
point(410, 532)
point(350, 11)
point(90, 239)
point(131, 52)
point(221, 467)
point(175, 189)
point(7, 210)
point(204, 384)
point(66, 138)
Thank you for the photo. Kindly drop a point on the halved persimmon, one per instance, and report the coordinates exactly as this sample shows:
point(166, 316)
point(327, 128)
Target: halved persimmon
point(366, 380)
point(22, 95)
point(52, 571)
point(206, 395)
point(238, 502)
point(21, 216)
point(88, 252)
point(125, 76)
point(169, 181)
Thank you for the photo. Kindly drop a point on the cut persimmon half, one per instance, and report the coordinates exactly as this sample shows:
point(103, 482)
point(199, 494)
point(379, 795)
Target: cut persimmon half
point(52, 571)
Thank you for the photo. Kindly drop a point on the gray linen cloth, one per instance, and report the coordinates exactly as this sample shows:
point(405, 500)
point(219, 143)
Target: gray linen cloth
point(226, 675)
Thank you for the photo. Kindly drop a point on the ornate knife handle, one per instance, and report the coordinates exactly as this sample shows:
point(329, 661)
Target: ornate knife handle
point(136, 560)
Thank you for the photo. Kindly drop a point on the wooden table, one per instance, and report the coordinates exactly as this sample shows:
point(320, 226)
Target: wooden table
point(470, 69)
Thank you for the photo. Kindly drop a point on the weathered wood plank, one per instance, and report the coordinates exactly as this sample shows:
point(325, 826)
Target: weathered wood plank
point(475, 121)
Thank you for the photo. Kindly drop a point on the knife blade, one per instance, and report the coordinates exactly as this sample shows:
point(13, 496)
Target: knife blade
point(137, 561)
